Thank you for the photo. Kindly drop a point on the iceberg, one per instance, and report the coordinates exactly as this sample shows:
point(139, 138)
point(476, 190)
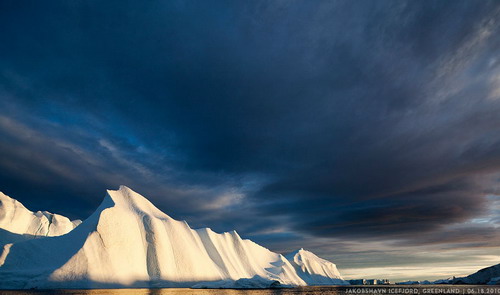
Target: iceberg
point(18, 223)
point(314, 270)
point(128, 242)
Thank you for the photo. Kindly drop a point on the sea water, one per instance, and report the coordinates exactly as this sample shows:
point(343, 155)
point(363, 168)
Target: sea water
point(345, 290)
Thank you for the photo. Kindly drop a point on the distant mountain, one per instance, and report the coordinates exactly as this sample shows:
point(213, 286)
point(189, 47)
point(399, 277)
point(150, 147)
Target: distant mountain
point(128, 242)
point(414, 283)
point(18, 223)
point(488, 275)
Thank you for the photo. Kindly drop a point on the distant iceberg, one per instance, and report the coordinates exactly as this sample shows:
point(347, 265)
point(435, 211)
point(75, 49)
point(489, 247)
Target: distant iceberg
point(128, 242)
point(18, 223)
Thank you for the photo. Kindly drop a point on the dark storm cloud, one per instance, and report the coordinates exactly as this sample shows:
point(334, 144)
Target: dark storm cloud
point(475, 236)
point(335, 119)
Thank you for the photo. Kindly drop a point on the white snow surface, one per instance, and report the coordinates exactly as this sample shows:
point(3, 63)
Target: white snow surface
point(128, 242)
point(18, 223)
point(314, 270)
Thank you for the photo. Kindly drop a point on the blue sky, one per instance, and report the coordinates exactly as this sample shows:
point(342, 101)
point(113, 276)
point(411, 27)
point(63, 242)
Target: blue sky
point(367, 132)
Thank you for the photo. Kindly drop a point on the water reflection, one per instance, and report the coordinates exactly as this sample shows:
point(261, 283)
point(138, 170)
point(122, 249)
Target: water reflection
point(347, 290)
point(172, 291)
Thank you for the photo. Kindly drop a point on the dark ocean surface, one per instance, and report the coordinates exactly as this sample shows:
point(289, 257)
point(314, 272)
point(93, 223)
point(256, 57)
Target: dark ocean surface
point(392, 289)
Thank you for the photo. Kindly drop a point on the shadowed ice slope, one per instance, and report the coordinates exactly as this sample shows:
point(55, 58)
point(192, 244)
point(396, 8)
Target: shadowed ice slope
point(18, 223)
point(128, 242)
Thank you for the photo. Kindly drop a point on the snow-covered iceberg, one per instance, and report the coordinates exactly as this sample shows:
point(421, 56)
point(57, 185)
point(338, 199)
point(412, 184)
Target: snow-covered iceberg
point(18, 223)
point(314, 270)
point(128, 242)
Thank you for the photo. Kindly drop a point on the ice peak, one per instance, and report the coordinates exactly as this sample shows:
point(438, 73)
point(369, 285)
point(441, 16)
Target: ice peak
point(123, 190)
point(125, 194)
point(5, 200)
point(125, 197)
point(9, 208)
point(3, 196)
point(233, 234)
point(22, 223)
point(304, 255)
point(298, 252)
